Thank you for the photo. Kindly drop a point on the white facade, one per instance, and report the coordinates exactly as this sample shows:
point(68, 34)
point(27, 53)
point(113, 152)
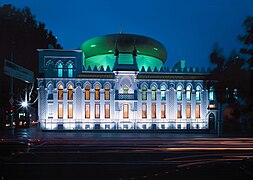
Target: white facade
point(131, 102)
point(72, 97)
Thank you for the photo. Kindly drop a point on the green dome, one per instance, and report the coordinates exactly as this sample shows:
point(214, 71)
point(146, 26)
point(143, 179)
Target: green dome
point(99, 51)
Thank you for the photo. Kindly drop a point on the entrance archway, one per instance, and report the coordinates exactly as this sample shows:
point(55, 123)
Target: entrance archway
point(211, 122)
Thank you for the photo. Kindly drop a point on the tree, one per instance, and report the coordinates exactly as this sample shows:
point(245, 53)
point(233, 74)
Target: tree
point(21, 35)
point(247, 51)
point(231, 77)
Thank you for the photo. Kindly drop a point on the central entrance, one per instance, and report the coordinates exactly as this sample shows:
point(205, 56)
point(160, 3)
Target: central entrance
point(125, 111)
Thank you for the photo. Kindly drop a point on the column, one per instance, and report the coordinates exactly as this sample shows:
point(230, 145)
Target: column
point(149, 101)
point(92, 104)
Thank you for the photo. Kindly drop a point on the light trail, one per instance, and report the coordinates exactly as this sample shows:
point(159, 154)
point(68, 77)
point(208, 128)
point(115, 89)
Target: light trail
point(210, 149)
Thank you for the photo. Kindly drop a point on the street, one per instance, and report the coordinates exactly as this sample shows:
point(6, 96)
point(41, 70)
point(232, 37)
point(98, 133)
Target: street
point(26, 154)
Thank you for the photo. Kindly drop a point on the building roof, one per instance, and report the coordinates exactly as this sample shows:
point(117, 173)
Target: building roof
point(125, 43)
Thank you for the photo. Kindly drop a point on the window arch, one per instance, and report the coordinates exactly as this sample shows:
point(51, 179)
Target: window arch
point(144, 93)
point(211, 93)
point(188, 93)
point(97, 93)
point(87, 92)
point(179, 93)
point(70, 92)
point(50, 92)
point(107, 92)
point(70, 70)
point(153, 93)
point(60, 70)
point(60, 92)
point(163, 92)
point(198, 90)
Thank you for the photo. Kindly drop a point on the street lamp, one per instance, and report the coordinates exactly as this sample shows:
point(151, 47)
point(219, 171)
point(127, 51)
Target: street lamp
point(24, 104)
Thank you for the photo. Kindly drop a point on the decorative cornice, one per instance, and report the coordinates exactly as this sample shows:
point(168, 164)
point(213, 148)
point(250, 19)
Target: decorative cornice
point(97, 75)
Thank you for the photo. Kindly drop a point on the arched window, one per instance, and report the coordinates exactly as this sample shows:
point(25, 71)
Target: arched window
point(107, 93)
point(163, 93)
point(60, 69)
point(87, 92)
point(179, 93)
point(70, 70)
point(60, 92)
point(97, 93)
point(188, 93)
point(211, 93)
point(144, 93)
point(198, 93)
point(50, 92)
point(70, 92)
point(153, 93)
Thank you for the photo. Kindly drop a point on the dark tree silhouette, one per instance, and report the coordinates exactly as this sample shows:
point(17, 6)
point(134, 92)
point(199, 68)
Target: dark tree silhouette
point(231, 77)
point(247, 51)
point(20, 37)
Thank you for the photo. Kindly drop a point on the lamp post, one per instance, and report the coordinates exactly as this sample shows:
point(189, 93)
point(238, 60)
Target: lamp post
point(24, 104)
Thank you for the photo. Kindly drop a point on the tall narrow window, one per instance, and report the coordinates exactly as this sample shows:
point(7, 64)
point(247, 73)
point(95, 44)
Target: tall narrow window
point(87, 92)
point(87, 111)
point(179, 93)
point(97, 93)
point(60, 69)
point(144, 93)
point(163, 111)
point(70, 70)
point(179, 111)
point(197, 110)
point(153, 110)
point(107, 93)
point(153, 93)
point(188, 111)
point(235, 94)
point(198, 93)
point(188, 93)
point(211, 93)
point(70, 110)
point(125, 111)
point(70, 92)
point(144, 110)
point(60, 92)
point(60, 111)
point(163, 93)
point(97, 110)
point(107, 110)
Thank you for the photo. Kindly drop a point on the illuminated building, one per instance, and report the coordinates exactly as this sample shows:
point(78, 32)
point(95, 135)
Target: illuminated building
point(118, 81)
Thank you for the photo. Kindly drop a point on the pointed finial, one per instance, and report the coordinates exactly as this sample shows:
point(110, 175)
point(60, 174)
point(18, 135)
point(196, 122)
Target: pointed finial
point(121, 29)
point(134, 51)
point(116, 51)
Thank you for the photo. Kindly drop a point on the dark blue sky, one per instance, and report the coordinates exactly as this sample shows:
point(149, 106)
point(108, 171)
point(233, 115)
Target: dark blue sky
point(187, 28)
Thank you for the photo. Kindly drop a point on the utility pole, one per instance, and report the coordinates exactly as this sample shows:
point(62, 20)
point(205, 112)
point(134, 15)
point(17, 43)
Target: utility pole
point(11, 101)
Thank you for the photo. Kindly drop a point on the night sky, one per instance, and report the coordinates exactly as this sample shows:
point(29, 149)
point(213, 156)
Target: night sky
point(187, 28)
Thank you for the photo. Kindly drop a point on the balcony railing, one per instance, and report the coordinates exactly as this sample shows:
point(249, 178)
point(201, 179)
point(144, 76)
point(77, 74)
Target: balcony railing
point(125, 96)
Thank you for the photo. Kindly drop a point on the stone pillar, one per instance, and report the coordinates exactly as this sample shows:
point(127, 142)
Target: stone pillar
point(193, 104)
point(149, 101)
point(65, 104)
point(102, 102)
point(158, 104)
point(184, 105)
point(92, 104)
